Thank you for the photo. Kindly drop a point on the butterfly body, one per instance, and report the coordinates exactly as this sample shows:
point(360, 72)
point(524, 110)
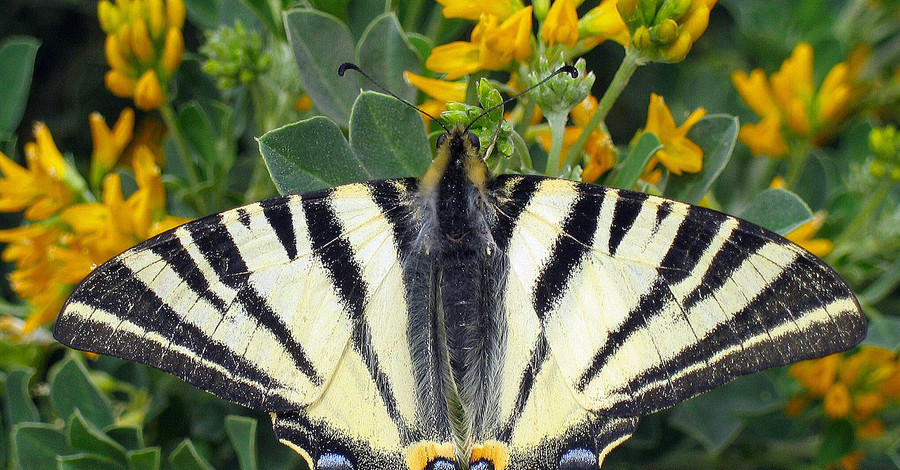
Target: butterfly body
point(461, 320)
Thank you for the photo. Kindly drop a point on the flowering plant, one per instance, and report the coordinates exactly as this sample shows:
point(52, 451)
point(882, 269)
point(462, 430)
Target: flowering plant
point(789, 123)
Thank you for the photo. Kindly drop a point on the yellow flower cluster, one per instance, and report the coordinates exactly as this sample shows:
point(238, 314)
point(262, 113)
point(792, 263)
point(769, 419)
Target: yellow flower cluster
point(601, 153)
point(678, 153)
point(503, 33)
point(788, 103)
point(858, 387)
point(68, 234)
point(804, 235)
point(666, 30)
point(144, 47)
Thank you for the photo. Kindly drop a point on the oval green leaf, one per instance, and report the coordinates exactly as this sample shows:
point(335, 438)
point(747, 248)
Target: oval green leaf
point(86, 438)
point(36, 446)
point(778, 210)
point(389, 137)
point(71, 389)
point(16, 67)
point(17, 399)
point(385, 53)
point(321, 44)
point(87, 462)
point(636, 161)
point(308, 155)
point(185, 457)
point(144, 459)
point(716, 134)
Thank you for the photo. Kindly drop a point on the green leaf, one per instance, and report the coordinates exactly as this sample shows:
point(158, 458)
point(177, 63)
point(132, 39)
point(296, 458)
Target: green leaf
point(144, 459)
point(86, 438)
point(716, 134)
point(321, 44)
point(242, 433)
point(263, 9)
point(389, 137)
point(17, 399)
point(309, 155)
point(361, 13)
point(716, 417)
point(385, 53)
point(636, 161)
point(185, 457)
point(837, 441)
point(16, 66)
point(71, 389)
point(36, 446)
point(423, 44)
point(778, 210)
point(199, 132)
point(337, 8)
point(87, 462)
point(129, 437)
point(884, 332)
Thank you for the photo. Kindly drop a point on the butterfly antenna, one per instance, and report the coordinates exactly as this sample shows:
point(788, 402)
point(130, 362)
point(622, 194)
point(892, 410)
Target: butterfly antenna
point(565, 68)
point(351, 66)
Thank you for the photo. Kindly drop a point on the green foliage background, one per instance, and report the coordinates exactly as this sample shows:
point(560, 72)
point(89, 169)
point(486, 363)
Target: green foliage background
point(110, 414)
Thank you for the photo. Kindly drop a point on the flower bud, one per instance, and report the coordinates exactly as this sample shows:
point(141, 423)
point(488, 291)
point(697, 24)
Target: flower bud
point(173, 50)
point(141, 42)
point(641, 38)
point(119, 84)
point(114, 55)
point(679, 49)
point(108, 15)
point(667, 31)
point(148, 93)
point(157, 17)
point(175, 13)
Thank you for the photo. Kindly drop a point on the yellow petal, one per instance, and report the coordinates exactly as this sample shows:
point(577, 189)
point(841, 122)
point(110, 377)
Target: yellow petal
point(473, 9)
point(679, 49)
point(157, 17)
point(764, 137)
point(114, 56)
point(141, 43)
point(604, 21)
point(173, 50)
point(442, 90)
point(48, 154)
point(561, 24)
point(148, 93)
point(175, 13)
point(754, 90)
point(119, 84)
point(455, 59)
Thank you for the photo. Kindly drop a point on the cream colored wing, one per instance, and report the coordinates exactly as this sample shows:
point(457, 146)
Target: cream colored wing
point(625, 303)
point(294, 305)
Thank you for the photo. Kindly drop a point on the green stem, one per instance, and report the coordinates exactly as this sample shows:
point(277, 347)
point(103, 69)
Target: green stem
point(193, 176)
point(557, 134)
point(626, 69)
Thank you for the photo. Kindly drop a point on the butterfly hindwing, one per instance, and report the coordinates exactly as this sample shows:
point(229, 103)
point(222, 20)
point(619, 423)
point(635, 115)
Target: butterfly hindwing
point(289, 305)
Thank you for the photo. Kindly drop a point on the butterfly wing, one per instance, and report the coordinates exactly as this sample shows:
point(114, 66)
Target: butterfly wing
point(636, 303)
point(294, 305)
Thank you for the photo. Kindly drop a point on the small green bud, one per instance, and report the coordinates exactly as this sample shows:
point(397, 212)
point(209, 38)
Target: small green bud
point(667, 31)
point(561, 93)
point(672, 9)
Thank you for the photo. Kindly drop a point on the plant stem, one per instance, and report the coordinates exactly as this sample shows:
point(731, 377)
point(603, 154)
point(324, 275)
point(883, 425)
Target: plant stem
point(629, 64)
point(171, 121)
point(557, 134)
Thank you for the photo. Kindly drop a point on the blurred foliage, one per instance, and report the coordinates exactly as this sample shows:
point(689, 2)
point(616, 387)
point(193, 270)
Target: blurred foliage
point(813, 84)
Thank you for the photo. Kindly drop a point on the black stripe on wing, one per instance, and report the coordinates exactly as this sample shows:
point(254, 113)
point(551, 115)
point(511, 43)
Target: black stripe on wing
point(336, 254)
point(115, 289)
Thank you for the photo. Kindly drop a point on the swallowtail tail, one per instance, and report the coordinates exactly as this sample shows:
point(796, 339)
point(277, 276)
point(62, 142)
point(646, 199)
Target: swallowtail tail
point(462, 320)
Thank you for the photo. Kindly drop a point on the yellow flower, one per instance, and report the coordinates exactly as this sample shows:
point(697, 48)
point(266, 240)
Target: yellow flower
point(803, 236)
point(493, 46)
point(473, 9)
point(600, 150)
point(837, 401)
point(561, 24)
point(665, 31)
point(109, 143)
point(603, 22)
point(440, 91)
point(144, 47)
point(678, 153)
point(789, 104)
point(44, 187)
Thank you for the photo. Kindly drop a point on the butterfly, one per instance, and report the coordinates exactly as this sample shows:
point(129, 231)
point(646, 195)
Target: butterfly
point(461, 319)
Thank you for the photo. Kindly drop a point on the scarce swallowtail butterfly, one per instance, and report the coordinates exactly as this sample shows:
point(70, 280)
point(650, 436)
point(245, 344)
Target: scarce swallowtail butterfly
point(461, 319)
